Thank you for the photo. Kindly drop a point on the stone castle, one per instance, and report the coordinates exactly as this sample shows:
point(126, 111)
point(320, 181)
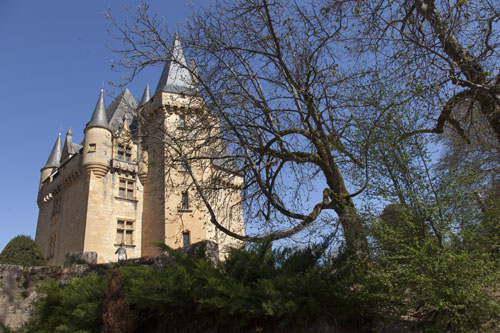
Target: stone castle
point(144, 174)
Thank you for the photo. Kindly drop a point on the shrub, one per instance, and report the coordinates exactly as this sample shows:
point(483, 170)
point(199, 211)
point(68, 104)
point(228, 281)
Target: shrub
point(75, 307)
point(277, 290)
point(23, 251)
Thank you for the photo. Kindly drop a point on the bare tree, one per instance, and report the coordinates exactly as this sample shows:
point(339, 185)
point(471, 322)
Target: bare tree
point(268, 71)
point(442, 53)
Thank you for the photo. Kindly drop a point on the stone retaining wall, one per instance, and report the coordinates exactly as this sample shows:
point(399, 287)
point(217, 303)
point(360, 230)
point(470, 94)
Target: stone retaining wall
point(18, 284)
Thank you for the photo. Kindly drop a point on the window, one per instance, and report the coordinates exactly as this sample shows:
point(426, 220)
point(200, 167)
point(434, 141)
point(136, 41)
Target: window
point(124, 153)
point(184, 166)
point(185, 200)
point(92, 148)
point(56, 205)
point(182, 122)
point(124, 232)
point(126, 189)
point(52, 245)
point(185, 239)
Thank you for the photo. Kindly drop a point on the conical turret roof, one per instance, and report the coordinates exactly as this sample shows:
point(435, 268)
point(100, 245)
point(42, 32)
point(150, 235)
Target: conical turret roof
point(55, 154)
point(99, 118)
point(176, 77)
point(146, 96)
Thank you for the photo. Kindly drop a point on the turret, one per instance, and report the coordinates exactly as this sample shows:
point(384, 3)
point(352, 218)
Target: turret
point(143, 166)
point(53, 161)
point(146, 96)
point(142, 154)
point(98, 141)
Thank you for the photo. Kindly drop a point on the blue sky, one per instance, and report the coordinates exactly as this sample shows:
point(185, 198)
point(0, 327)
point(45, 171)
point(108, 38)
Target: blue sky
point(53, 61)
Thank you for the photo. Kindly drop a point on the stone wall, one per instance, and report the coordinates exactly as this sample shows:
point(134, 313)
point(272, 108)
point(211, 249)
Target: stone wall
point(18, 289)
point(18, 285)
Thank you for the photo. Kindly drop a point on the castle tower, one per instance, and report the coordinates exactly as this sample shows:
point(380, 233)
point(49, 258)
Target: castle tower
point(114, 204)
point(98, 142)
point(52, 161)
point(179, 135)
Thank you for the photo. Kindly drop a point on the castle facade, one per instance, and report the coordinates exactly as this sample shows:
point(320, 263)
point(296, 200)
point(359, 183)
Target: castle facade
point(147, 173)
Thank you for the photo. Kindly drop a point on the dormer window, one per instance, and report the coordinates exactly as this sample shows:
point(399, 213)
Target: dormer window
point(124, 153)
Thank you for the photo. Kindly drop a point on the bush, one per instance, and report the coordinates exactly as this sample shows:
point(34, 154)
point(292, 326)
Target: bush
point(438, 287)
point(451, 290)
point(75, 307)
point(276, 290)
point(23, 251)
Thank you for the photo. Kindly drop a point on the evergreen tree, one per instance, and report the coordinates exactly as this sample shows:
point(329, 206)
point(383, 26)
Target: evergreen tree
point(23, 251)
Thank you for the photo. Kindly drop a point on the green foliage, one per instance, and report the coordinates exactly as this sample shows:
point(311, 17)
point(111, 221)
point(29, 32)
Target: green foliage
point(23, 251)
point(485, 232)
point(445, 289)
point(258, 287)
point(438, 289)
point(74, 307)
point(441, 288)
point(398, 232)
point(4, 329)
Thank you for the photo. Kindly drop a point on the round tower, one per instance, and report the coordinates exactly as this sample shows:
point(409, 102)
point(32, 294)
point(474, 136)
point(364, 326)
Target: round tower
point(97, 148)
point(53, 161)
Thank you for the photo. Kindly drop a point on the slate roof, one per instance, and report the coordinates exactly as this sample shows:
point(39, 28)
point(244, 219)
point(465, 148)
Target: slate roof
point(70, 148)
point(176, 77)
point(121, 108)
point(146, 96)
point(99, 118)
point(55, 154)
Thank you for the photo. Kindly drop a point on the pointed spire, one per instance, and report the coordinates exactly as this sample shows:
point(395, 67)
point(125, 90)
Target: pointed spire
point(146, 96)
point(99, 118)
point(55, 154)
point(68, 145)
point(176, 77)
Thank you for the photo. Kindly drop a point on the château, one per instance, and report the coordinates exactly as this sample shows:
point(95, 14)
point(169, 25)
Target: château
point(138, 176)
